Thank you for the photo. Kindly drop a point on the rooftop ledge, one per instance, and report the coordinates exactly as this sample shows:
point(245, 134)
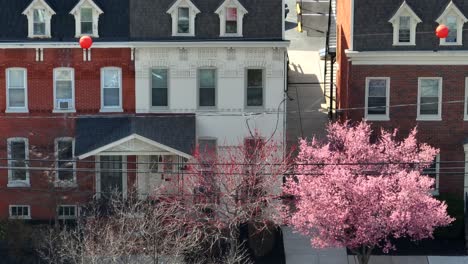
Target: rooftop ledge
point(429, 57)
point(148, 44)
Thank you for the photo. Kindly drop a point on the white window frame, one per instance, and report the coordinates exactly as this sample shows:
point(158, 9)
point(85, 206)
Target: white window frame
point(58, 182)
point(216, 82)
point(174, 12)
point(246, 84)
point(76, 12)
point(18, 183)
point(27, 217)
point(437, 117)
point(452, 10)
point(64, 217)
point(56, 108)
point(118, 108)
point(404, 10)
point(29, 13)
point(151, 88)
point(221, 11)
point(385, 117)
point(14, 109)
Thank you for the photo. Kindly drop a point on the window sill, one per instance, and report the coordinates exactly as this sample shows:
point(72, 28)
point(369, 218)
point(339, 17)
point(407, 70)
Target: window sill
point(18, 185)
point(19, 217)
point(207, 109)
point(19, 110)
point(63, 111)
point(39, 36)
point(451, 44)
point(404, 44)
point(183, 35)
point(111, 110)
point(227, 35)
point(65, 184)
point(377, 118)
point(90, 35)
point(254, 109)
point(429, 118)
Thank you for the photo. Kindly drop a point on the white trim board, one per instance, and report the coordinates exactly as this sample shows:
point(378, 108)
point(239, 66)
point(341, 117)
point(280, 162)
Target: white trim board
point(128, 138)
point(408, 57)
point(148, 44)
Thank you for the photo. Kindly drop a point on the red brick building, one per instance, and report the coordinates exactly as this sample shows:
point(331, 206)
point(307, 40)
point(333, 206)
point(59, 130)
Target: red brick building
point(394, 72)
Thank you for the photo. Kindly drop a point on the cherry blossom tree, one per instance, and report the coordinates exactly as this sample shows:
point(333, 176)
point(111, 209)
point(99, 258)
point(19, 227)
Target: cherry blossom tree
point(235, 185)
point(361, 190)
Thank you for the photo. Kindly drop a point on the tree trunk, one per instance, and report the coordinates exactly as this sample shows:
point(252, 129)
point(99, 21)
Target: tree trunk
point(363, 254)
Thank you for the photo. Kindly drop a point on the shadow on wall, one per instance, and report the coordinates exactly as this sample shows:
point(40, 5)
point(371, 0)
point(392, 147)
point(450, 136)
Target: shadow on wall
point(306, 110)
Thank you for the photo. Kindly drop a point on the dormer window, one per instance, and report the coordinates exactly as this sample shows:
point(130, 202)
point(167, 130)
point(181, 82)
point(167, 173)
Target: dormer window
point(231, 14)
point(454, 19)
point(39, 14)
point(404, 25)
point(183, 21)
point(86, 14)
point(183, 13)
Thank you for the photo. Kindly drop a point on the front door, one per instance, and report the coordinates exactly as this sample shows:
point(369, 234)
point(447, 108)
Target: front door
point(111, 174)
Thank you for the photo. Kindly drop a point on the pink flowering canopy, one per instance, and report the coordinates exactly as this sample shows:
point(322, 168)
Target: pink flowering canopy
point(361, 191)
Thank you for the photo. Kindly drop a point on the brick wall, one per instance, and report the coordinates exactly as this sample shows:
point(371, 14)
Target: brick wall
point(42, 127)
point(343, 23)
point(87, 76)
point(448, 134)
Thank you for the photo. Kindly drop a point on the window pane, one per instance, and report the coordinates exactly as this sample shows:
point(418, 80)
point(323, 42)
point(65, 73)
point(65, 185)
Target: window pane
point(255, 78)
point(111, 97)
point(254, 97)
point(18, 156)
point(452, 25)
point(207, 97)
point(14, 211)
point(25, 211)
point(159, 78)
point(429, 106)
point(64, 89)
point(39, 16)
point(159, 97)
point(111, 78)
point(39, 28)
point(86, 14)
point(377, 87)
point(183, 20)
point(207, 78)
point(429, 88)
point(63, 74)
point(16, 78)
point(377, 105)
point(86, 27)
point(16, 97)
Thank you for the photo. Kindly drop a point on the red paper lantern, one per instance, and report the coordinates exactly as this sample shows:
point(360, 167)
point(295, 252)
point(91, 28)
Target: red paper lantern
point(86, 42)
point(442, 31)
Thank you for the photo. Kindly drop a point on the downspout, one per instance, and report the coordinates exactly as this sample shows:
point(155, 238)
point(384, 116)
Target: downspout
point(285, 98)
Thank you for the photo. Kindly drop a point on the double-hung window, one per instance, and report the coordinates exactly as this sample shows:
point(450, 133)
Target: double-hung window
point(429, 99)
point(255, 87)
point(39, 22)
point(111, 89)
point(66, 166)
point(231, 20)
point(404, 32)
point(64, 89)
point(433, 171)
point(20, 212)
point(377, 98)
point(183, 20)
point(86, 20)
point(207, 87)
point(17, 90)
point(452, 25)
point(159, 87)
point(18, 154)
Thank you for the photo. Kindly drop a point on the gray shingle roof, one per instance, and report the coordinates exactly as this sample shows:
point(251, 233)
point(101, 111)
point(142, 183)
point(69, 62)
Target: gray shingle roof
point(142, 20)
point(177, 132)
point(373, 32)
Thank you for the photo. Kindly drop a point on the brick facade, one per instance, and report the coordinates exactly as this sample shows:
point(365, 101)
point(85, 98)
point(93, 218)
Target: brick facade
point(42, 127)
point(449, 134)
